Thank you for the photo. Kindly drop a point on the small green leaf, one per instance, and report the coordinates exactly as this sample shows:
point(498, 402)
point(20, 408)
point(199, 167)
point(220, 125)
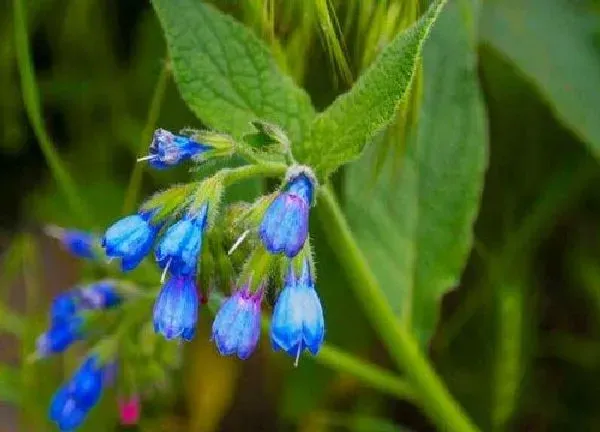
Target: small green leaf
point(340, 133)
point(415, 225)
point(553, 44)
point(226, 74)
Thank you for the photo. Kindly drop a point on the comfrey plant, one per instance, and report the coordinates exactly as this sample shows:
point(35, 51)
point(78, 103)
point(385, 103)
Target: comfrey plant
point(183, 229)
point(204, 244)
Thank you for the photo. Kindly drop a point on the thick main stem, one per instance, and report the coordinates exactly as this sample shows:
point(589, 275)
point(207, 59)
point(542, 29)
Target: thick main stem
point(431, 392)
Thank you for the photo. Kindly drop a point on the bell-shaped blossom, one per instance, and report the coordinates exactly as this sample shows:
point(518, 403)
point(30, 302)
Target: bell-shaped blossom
point(284, 226)
point(297, 321)
point(180, 247)
point(168, 149)
point(176, 309)
point(236, 328)
point(130, 239)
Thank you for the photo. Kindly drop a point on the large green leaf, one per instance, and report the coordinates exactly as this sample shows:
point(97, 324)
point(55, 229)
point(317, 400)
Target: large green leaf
point(340, 133)
point(415, 225)
point(226, 74)
point(552, 43)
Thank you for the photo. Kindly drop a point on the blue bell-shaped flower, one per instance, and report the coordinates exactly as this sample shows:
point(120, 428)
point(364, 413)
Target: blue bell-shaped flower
point(176, 309)
point(236, 328)
point(168, 149)
point(130, 239)
point(180, 247)
point(284, 226)
point(297, 321)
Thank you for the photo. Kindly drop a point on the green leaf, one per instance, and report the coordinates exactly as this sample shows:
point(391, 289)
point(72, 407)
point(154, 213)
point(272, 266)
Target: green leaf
point(340, 133)
point(226, 75)
point(415, 225)
point(553, 44)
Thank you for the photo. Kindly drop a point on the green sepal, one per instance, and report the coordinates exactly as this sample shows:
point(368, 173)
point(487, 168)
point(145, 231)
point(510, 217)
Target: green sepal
point(169, 202)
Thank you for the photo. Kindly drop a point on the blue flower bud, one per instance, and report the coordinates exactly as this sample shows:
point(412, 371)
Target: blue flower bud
point(168, 149)
point(71, 402)
point(79, 243)
point(298, 316)
point(101, 295)
point(130, 239)
point(181, 245)
point(60, 337)
point(85, 386)
point(64, 410)
point(284, 226)
point(65, 306)
point(236, 328)
point(176, 309)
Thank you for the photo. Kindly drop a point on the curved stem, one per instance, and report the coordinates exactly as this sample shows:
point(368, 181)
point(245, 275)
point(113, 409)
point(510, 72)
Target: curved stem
point(372, 375)
point(31, 100)
point(135, 182)
point(334, 358)
point(433, 395)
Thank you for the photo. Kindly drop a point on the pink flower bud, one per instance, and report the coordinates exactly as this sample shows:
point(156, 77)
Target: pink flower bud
point(129, 410)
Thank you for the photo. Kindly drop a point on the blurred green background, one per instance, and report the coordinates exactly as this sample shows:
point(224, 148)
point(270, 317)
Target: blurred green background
point(518, 342)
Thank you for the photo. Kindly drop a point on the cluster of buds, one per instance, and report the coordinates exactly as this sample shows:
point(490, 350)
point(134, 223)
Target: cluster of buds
point(202, 247)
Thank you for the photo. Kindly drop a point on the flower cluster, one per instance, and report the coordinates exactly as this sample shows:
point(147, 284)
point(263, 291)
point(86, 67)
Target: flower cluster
point(195, 241)
point(66, 315)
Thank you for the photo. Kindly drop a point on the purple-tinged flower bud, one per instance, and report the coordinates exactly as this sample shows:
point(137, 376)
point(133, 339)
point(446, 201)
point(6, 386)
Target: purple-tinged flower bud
point(179, 248)
point(176, 309)
point(284, 226)
point(168, 149)
point(60, 337)
point(236, 328)
point(298, 316)
point(79, 243)
point(130, 239)
point(100, 295)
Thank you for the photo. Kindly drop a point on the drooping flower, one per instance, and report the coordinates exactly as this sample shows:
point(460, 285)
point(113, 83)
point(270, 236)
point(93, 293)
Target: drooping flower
point(65, 306)
point(176, 309)
point(129, 410)
point(72, 402)
point(79, 243)
point(60, 337)
point(179, 248)
point(130, 239)
point(100, 295)
point(65, 315)
point(86, 385)
point(284, 226)
point(168, 149)
point(236, 328)
point(298, 315)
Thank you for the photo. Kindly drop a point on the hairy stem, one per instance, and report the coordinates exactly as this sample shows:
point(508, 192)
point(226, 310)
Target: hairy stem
point(431, 392)
point(234, 175)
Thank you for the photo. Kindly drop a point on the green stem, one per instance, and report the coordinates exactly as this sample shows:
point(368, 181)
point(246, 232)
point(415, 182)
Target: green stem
point(234, 175)
point(434, 397)
point(374, 376)
point(135, 182)
point(334, 358)
point(31, 101)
